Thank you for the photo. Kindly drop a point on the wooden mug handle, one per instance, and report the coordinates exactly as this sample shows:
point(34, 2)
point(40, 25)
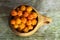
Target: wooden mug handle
point(47, 20)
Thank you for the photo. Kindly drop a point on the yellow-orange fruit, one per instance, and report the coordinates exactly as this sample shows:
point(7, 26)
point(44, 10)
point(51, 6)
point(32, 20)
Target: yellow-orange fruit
point(29, 22)
point(25, 29)
point(29, 9)
point(21, 26)
point(30, 17)
point(34, 14)
point(30, 27)
point(19, 13)
point(34, 22)
point(18, 21)
point(12, 22)
point(16, 17)
point(22, 8)
point(15, 26)
point(23, 20)
point(26, 14)
point(14, 13)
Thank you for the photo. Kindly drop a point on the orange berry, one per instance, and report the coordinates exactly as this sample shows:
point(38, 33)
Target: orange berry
point(34, 22)
point(25, 14)
point(28, 22)
point(34, 14)
point(21, 26)
point(19, 13)
point(30, 17)
point(23, 8)
point(13, 21)
point(23, 20)
point(29, 9)
point(18, 21)
point(15, 26)
point(16, 17)
point(14, 13)
point(26, 29)
point(30, 27)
